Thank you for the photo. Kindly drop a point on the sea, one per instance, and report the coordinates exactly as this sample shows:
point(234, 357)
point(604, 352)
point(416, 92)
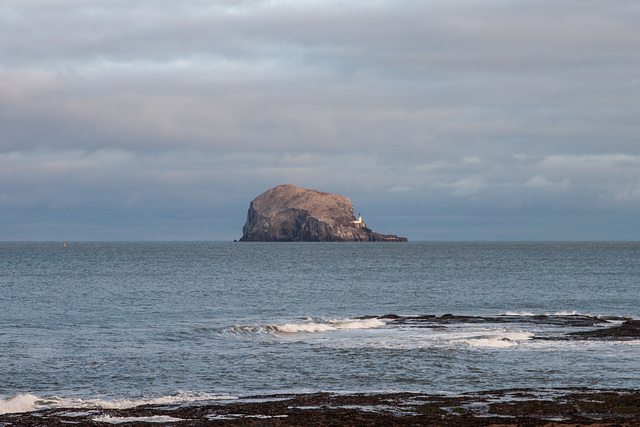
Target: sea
point(118, 324)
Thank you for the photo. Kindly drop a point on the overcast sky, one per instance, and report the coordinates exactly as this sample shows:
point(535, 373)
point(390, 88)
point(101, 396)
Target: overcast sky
point(439, 119)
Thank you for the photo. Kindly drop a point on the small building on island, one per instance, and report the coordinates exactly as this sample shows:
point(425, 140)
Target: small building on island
point(359, 223)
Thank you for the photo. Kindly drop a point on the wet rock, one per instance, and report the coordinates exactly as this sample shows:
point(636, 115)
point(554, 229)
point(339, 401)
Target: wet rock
point(525, 407)
point(629, 329)
point(389, 316)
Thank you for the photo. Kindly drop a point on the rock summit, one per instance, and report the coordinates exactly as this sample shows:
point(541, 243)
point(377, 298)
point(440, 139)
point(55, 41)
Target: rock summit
point(287, 213)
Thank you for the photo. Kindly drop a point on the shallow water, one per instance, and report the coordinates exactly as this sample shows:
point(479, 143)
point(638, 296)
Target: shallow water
point(132, 322)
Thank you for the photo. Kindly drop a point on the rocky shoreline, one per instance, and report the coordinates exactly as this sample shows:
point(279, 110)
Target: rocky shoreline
point(548, 407)
point(627, 330)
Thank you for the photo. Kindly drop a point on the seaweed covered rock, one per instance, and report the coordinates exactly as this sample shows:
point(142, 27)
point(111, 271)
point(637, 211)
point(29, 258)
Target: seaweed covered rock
point(629, 329)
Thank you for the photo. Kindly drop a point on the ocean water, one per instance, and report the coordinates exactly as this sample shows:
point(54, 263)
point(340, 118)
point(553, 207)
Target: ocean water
point(120, 324)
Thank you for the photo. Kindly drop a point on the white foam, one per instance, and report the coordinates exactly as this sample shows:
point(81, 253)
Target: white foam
point(181, 397)
point(494, 342)
point(331, 325)
point(218, 417)
point(292, 328)
point(310, 325)
point(154, 419)
point(29, 402)
point(19, 403)
point(576, 313)
point(557, 313)
point(503, 340)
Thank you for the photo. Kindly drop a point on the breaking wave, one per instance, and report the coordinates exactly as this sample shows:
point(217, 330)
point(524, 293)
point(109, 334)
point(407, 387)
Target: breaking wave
point(30, 402)
point(178, 398)
point(19, 403)
point(293, 328)
point(503, 340)
point(310, 325)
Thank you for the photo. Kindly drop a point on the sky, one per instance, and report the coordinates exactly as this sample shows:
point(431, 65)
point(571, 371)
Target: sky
point(440, 119)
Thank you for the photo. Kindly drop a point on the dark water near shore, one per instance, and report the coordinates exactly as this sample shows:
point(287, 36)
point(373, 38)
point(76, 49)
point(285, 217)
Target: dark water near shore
point(188, 321)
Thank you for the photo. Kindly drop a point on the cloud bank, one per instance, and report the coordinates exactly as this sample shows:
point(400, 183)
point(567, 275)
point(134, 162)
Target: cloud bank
point(454, 120)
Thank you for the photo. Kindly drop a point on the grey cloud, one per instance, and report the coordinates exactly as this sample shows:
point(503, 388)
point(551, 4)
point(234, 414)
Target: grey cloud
point(393, 35)
point(446, 106)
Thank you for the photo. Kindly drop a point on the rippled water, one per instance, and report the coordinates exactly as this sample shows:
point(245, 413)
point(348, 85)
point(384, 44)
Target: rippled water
point(129, 321)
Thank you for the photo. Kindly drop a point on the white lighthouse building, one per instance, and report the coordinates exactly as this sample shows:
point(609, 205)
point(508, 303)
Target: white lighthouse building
point(359, 223)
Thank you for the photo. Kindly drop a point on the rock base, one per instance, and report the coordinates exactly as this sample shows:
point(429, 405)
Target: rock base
point(504, 408)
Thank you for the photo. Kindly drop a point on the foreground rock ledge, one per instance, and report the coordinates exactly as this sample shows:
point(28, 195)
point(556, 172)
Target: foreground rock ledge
point(288, 213)
point(525, 407)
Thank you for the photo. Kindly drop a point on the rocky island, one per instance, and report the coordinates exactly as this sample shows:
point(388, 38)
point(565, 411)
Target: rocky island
point(287, 213)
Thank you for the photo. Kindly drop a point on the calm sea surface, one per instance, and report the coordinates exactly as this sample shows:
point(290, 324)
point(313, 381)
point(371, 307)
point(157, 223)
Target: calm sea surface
point(126, 321)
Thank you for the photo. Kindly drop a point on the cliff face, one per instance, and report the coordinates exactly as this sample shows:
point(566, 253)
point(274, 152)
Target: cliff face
point(288, 213)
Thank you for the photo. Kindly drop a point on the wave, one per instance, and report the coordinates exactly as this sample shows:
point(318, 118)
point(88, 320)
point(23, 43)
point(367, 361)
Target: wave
point(178, 398)
point(518, 313)
point(310, 326)
point(559, 325)
point(566, 314)
point(30, 402)
point(17, 404)
point(557, 313)
point(331, 325)
point(504, 340)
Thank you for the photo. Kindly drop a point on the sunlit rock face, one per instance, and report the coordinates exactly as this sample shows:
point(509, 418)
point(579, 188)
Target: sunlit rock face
point(287, 213)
